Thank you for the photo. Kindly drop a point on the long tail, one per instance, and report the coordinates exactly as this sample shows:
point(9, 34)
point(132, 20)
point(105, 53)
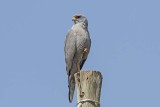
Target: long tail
point(71, 81)
point(71, 87)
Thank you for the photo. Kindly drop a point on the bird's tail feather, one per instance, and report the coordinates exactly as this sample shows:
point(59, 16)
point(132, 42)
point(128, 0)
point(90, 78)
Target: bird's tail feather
point(71, 87)
point(71, 82)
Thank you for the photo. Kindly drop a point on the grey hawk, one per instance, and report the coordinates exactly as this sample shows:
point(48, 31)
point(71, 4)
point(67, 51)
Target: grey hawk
point(77, 47)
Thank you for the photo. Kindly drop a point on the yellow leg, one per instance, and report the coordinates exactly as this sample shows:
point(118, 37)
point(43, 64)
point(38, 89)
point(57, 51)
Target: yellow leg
point(78, 66)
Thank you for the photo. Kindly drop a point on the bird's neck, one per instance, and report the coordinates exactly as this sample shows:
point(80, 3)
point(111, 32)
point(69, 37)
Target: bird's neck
point(83, 25)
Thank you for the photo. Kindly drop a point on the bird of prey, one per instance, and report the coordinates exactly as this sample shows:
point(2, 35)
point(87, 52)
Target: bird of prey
point(77, 47)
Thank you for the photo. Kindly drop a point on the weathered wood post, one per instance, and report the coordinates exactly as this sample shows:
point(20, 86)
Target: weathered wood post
point(88, 84)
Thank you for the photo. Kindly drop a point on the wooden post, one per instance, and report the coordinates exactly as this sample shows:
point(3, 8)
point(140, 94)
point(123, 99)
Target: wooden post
point(88, 85)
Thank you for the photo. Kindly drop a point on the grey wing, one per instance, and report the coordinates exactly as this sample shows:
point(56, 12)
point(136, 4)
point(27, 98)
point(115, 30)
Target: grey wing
point(70, 49)
point(88, 45)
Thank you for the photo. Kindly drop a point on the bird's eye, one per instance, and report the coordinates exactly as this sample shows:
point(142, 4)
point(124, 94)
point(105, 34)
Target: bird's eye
point(78, 17)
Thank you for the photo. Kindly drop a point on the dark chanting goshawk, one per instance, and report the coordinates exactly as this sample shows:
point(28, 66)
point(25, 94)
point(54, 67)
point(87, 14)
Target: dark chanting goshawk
point(77, 47)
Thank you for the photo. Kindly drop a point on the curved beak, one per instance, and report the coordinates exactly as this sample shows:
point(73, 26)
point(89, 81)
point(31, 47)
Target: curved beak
point(74, 19)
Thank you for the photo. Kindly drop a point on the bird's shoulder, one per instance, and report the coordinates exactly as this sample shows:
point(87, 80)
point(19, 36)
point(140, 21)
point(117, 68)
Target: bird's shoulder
point(70, 35)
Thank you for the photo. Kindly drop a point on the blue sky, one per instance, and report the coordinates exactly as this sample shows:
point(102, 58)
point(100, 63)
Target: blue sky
point(125, 48)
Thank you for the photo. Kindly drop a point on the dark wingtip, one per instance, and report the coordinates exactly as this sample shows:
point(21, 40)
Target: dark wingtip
point(82, 63)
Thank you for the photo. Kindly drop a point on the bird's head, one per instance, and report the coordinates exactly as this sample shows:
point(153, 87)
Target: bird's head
point(78, 18)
